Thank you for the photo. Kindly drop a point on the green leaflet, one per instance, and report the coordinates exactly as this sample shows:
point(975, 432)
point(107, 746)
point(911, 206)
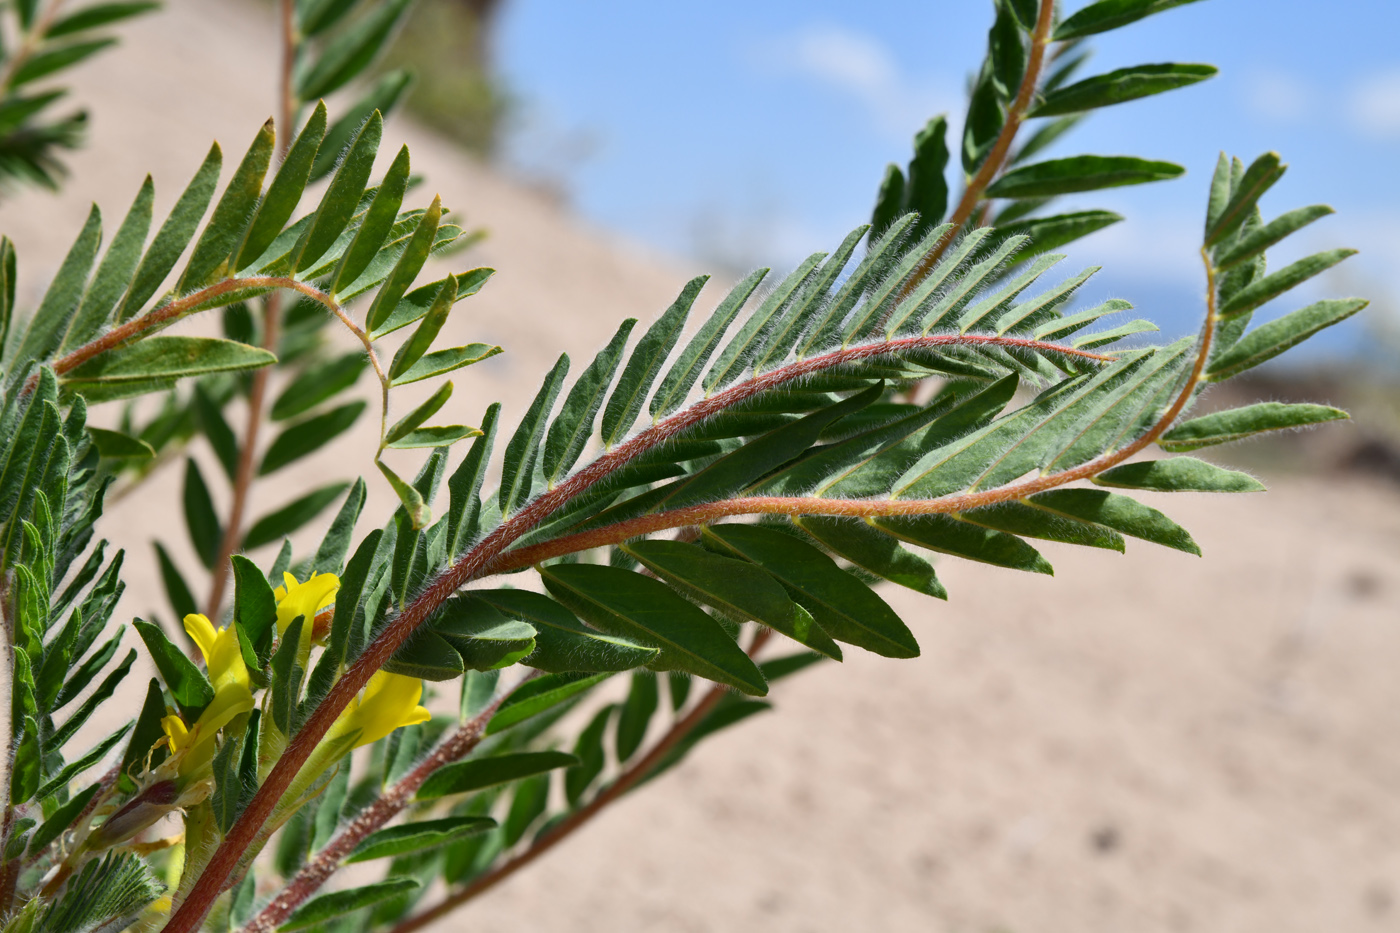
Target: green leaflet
point(1120, 86)
point(415, 304)
point(415, 254)
point(1020, 518)
point(114, 272)
point(889, 202)
point(1271, 286)
point(634, 606)
point(538, 696)
point(789, 327)
point(588, 748)
point(485, 640)
point(429, 407)
point(1006, 47)
point(1119, 513)
point(52, 59)
point(1109, 14)
point(50, 322)
point(945, 310)
point(464, 487)
point(902, 445)
point(949, 535)
point(343, 196)
point(1252, 242)
point(986, 312)
point(868, 549)
point(381, 98)
point(201, 519)
point(421, 341)
point(926, 192)
point(352, 51)
point(691, 362)
point(441, 362)
point(283, 521)
point(866, 319)
point(254, 609)
point(636, 713)
point(518, 467)
point(736, 470)
point(165, 357)
point(1238, 423)
point(1041, 139)
point(419, 837)
point(644, 364)
point(1269, 340)
point(1080, 173)
point(102, 14)
point(1233, 199)
point(62, 818)
point(574, 424)
point(285, 191)
point(1047, 233)
point(1103, 338)
point(319, 383)
point(186, 682)
point(907, 315)
point(412, 500)
point(1178, 474)
point(230, 218)
point(376, 226)
point(117, 446)
point(743, 350)
point(884, 253)
point(985, 118)
point(326, 907)
point(1040, 310)
point(308, 436)
point(737, 589)
point(846, 608)
point(562, 642)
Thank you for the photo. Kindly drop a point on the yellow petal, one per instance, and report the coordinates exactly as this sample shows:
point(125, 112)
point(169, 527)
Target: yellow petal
point(390, 701)
point(203, 633)
point(304, 599)
point(174, 728)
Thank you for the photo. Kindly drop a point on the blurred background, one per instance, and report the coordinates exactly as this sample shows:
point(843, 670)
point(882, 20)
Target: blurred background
point(1151, 742)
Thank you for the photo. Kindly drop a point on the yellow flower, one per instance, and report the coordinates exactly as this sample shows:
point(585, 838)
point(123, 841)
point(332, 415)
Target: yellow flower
point(389, 701)
point(304, 599)
point(232, 695)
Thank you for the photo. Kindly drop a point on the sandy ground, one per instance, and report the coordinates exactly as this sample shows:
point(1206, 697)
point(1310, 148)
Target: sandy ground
point(1149, 742)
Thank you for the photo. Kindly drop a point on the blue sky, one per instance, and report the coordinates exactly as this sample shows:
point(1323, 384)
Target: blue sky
point(756, 132)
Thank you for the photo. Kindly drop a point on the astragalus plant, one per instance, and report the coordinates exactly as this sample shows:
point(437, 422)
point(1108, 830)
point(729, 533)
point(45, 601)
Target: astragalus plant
point(717, 500)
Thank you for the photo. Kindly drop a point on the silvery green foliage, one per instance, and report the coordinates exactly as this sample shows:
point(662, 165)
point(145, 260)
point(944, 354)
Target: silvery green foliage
point(924, 389)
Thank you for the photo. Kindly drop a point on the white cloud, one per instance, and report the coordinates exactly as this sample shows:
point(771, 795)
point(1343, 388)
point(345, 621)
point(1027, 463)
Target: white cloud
point(1375, 104)
point(860, 66)
point(1279, 97)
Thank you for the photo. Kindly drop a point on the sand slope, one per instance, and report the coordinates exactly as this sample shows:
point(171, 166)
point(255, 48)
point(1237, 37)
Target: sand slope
point(1149, 742)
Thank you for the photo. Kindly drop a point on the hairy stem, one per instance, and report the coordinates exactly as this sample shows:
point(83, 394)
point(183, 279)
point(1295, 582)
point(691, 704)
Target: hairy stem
point(996, 158)
point(315, 872)
point(477, 561)
point(579, 818)
point(272, 319)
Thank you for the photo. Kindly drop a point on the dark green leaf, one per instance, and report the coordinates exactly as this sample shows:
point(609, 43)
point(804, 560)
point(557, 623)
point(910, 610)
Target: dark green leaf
point(183, 678)
point(927, 190)
point(681, 377)
point(415, 304)
point(738, 589)
point(200, 518)
point(441, 362)
point(352, 51)
point(440, 435)
point(62, 818)
point(540, 695)
point(376, 226)
point(588, 749)
point(479, 773)
point(230, 218)
point(1179, 474)
point(415, 253)
point(1049, 233)
point(948, 535)
point(290, 517)
point(644, 364)
point(308, 436)
point(339, 903)
point(343, 196)
point(254, 607)
point(217, 431)
point(114, 272)
point(636, 714)
point(174, 235)
point(50, 322)
point(286, 189)
point(1080, 173)
point(53, 59)
point(422, 339)
point(313, 386)
point(574, 424)
point(165, 357)
point(412, 499)
point(562, 642)
point(889, 202)
point(634, 606)
point(117, 446)
point(330, 555)
point(519, 463)
point(1222, 427)
point(1109, 14)
point(874, 552)
point(1243, 193)
point(422, 413)
point(287, 677)
point(145, 736)
point(846, 608)
point(985, 118)
point(1269, 340)
point(1121, 86)
point(1271, 286)
point(381, 98)
point(102, 14)
point(1119, 513)
point(419, 836)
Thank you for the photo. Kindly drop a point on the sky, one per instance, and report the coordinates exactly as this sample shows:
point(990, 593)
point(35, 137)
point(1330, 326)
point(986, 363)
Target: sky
point(752, 133)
